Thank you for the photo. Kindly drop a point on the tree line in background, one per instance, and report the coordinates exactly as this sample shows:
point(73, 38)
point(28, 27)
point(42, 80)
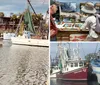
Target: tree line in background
point(38, 21)
point(36, 18)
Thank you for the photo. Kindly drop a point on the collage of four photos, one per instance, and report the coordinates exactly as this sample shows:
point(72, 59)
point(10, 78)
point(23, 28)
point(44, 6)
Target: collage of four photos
point(50, 42)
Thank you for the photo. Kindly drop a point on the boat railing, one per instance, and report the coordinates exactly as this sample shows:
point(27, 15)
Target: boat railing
point(75, 64)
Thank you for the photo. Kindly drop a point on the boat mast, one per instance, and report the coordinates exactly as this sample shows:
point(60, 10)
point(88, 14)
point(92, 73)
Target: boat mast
point(78, 50)
point(47, 12)
point(32, 7)
point(16, 32)
point(60, 56)
point(63, 55)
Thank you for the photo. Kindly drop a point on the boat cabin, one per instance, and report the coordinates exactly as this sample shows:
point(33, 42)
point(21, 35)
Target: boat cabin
point(72, 65)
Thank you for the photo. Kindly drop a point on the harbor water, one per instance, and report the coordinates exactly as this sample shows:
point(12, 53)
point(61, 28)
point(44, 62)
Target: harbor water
point(23, 65)
point(64, 82)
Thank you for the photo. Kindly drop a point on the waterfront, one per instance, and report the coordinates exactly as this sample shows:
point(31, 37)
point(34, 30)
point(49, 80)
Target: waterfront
point(61, 82)
point(69, 74)
point(23, 65)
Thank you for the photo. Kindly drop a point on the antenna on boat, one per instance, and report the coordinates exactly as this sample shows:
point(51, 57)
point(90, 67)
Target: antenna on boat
point(96, 47)
point(47, 12)
point(59, 48)
point(78, 49)
point(83, 49)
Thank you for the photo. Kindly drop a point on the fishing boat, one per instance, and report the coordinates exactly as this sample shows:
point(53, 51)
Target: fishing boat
point(31, 42)
point(7, 36)
point(71, 66)
point(95, 63)
point(29, 36)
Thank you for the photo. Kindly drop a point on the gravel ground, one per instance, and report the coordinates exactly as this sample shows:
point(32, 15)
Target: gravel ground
point(23, 65)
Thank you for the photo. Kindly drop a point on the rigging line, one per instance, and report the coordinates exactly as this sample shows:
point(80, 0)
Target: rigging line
point(32, 8)
point(46, 16)
point(56, 53)
point(96, 47)
point(43, 2)
point(83, 50)
point(57, 56)
point(19, 24)
point(68, 45)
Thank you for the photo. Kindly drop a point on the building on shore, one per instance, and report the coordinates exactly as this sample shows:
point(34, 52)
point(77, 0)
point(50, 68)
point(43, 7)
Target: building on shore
point(7, 24)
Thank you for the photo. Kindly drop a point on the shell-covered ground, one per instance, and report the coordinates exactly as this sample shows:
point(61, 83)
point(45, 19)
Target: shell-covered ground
point(23, 65)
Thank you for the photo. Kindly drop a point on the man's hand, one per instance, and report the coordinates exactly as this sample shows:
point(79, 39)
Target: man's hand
point(61, 29)
point(78, 14)
point(52, 32)
point(79, 29)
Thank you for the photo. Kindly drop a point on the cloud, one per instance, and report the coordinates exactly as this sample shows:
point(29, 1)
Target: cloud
point(6, 7)
point(18, 6)
point(83, 47)
point(40, 1)
point(34, 2)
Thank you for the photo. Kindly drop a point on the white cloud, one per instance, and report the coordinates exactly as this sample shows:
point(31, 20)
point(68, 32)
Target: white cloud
point(40, 1)
point(24, 1)
point(16, 6)
point(6, 7)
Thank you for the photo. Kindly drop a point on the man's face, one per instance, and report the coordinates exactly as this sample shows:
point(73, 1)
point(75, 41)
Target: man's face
point(54, 8)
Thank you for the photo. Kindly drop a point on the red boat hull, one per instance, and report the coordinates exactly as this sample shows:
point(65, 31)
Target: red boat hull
point(79, 74)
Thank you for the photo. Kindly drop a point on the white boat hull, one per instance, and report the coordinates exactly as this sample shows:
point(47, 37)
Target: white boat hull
point(96, 70)
point(7, 36)
point(98, 76)
point(25, 41)
point(53, 75)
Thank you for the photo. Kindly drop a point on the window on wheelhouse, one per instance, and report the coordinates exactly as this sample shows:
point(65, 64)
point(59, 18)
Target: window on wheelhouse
point(76, 64)
point(56, 68)
point(71, 64)
point(81, 64)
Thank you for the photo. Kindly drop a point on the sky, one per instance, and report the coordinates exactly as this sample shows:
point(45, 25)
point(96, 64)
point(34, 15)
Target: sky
point(18, 6)
point(85, 48)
